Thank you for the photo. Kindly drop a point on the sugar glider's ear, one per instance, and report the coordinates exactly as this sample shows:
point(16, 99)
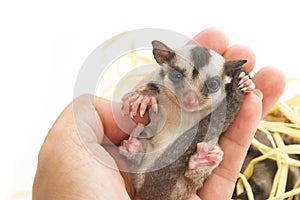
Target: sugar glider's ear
point(232, 65)
point(162, 53)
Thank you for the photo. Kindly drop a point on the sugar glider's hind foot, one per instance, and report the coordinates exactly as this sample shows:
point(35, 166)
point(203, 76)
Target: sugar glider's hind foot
point(203, 162)
point(205, 155)
point(133, 145)
point(245, 84)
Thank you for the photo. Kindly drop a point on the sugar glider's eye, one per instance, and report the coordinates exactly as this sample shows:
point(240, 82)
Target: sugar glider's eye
point(175, 75)
point(213, 84)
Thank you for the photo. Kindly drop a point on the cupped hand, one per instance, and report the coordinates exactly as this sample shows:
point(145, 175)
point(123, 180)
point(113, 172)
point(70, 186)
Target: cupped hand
point(72, 164)
point(236, 140)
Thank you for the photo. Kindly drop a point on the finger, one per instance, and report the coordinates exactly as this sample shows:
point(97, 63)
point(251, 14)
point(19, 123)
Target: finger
point(234, 142)
point(240, 133)
point(72, 145)
point(271, 82)
point(212, 38)
point(237, 52)
point(216, 40)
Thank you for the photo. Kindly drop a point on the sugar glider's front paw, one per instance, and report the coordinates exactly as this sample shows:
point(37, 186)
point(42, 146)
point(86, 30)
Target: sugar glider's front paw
point(132, 148)
point(134, 100)
point(205, 155)
point(245, 84)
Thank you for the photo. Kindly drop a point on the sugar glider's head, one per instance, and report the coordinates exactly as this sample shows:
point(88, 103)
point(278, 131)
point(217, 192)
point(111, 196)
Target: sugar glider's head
point(196, 76)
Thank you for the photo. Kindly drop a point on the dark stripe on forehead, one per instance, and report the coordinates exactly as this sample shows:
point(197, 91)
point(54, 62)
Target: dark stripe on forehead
point(195, 73)
point(162, 73)
point(200, 57)
point(182, 71)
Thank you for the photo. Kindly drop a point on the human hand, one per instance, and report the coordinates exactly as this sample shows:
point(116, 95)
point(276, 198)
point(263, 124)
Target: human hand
point(66, 170)
point(237, 139)
point(67, 167)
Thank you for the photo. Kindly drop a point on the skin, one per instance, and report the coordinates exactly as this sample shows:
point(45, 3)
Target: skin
point(66, 170)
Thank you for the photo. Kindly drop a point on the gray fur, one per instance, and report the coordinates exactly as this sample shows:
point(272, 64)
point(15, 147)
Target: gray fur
point(201, 58)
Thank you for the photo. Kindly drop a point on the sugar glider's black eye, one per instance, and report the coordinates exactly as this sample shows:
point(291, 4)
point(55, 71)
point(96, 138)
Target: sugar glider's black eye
point(213, 84)
point(175, 75)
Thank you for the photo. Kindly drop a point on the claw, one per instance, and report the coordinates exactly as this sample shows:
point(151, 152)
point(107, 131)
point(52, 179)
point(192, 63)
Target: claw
point(244, 79)
point(142, 112)
point(249, 88)
point(154, 104)
point(245, 84)
point(131, 115)
point(242, 74)
point(144, 105)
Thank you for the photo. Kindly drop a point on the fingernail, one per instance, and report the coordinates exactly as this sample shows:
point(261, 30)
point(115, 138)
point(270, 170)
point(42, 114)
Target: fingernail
point(258, 93)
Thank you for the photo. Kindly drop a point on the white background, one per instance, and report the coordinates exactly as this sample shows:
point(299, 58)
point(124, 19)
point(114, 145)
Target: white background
point(43, 45)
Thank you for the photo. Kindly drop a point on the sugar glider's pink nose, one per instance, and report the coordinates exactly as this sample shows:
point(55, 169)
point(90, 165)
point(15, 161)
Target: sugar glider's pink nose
point(190, 100)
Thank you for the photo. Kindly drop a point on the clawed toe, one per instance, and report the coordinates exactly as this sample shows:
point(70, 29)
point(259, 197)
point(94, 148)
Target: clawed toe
point(245, 84)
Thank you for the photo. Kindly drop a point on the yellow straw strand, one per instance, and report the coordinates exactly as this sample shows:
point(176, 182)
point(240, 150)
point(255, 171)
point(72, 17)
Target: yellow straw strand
point(114, 39)
point(291, 193)
point(247, 187)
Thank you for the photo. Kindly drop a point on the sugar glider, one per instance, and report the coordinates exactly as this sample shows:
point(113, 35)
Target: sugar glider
point(191, 100)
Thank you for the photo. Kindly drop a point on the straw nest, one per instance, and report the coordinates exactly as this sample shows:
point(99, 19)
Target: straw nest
point(281, 124)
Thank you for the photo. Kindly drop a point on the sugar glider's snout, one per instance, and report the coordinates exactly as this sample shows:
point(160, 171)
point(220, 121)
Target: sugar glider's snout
point(191, 100)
